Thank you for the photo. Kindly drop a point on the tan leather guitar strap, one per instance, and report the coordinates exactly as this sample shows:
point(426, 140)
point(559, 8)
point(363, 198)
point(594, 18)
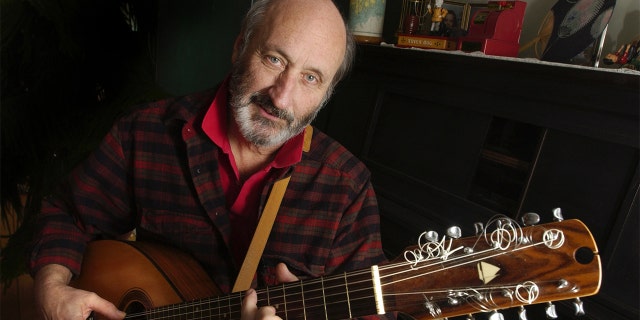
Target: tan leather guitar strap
point(260, 237)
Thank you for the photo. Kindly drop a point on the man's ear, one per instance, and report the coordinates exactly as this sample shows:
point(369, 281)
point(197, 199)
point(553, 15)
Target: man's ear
point(237, 45)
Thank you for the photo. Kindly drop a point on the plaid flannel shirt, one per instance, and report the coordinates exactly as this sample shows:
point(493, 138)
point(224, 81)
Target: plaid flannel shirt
point(152, 175)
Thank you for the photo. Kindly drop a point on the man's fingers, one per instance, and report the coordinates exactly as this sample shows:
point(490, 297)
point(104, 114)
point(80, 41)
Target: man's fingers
point(267, 312)
point(249, 305)
point(104, 307)
point(283, 274)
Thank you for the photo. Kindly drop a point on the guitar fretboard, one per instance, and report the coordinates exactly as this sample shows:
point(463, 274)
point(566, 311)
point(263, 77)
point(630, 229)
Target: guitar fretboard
point(336, 297)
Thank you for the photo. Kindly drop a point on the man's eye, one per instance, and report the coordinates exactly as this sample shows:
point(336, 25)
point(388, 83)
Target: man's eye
point(274, 60)
point(311, 78)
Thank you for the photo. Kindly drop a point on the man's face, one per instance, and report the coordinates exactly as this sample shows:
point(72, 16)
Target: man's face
point(281, 81)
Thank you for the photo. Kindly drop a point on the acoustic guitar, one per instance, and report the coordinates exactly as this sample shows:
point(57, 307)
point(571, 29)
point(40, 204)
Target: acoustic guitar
point(504, 265)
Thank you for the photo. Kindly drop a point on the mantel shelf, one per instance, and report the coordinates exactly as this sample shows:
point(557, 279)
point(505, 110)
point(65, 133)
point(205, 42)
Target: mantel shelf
point(534, 61)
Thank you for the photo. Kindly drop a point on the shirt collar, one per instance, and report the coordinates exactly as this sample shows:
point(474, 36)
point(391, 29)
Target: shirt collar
point(215, 127)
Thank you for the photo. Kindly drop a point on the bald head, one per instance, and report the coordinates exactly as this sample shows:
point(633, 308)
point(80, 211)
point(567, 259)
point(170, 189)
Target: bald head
point(286, 62)
point(319, 20)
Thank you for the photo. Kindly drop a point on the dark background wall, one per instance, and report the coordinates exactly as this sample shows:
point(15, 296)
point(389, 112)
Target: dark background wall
point(194, 42)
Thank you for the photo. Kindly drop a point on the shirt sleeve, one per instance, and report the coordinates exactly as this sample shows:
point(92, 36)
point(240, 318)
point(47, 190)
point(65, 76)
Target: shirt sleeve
point(358, 243)
point(92, 200)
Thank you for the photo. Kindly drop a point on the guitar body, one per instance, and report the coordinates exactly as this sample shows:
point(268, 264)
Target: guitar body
point(138, 276)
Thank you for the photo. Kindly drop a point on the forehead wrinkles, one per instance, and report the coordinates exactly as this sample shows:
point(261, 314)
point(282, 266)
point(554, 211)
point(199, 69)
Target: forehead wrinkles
point(306, 29)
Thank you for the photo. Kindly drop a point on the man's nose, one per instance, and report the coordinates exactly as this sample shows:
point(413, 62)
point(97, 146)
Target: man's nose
point(283, 89)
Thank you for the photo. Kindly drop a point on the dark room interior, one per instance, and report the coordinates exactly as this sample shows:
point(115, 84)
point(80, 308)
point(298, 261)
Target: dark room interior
point(472, 136)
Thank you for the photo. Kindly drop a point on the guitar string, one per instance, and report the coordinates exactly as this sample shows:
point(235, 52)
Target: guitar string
point(398, 265)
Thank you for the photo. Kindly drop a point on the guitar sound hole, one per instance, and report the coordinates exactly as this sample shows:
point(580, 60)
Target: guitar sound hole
point(135, 302)
point(136, 310)
point(584, 255)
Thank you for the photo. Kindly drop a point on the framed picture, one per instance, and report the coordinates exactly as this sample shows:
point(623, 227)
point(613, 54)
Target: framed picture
point(472, 9)
point(446, 23)
point(455, 13)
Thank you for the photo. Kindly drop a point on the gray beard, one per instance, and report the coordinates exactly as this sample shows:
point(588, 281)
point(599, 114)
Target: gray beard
point(261, 131)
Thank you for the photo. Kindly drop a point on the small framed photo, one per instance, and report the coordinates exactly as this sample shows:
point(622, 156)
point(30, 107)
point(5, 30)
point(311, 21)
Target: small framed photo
point(451, 24)
point(472, 9)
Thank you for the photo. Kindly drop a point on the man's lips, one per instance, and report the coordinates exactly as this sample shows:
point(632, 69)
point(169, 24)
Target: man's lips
point(268, 112)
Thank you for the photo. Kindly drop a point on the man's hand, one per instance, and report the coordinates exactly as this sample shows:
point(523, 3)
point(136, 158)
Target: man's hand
point(55, 299)
point(250, 309)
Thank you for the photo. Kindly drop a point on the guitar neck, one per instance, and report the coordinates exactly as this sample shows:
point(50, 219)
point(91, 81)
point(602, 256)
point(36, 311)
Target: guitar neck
point(504, 267)
point(334, 297)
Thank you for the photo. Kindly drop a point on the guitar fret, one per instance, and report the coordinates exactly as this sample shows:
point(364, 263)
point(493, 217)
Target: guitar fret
point(268, 297)
point(346, 289)
point(304, 306)
point(324, 299)
point(220, 308)
point(284, 298)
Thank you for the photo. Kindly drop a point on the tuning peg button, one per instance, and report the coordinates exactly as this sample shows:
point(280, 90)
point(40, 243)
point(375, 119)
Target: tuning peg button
point(522, 313)
point(530, 218)
point(557, 214)
point(562, 283)
point(431, 236)
point(578, 307)
point(550, 310)
point(479, 228)
point(454, 232)
point(495, 315)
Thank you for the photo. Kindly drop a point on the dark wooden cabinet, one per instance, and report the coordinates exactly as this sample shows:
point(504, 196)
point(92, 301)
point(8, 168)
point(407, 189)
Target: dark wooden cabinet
point(453, 139)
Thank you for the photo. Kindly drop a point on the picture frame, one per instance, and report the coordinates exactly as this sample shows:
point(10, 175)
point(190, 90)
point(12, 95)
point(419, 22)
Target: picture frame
point(461, 12)
point(450, 25)
point(458, 9)
point(472, 9)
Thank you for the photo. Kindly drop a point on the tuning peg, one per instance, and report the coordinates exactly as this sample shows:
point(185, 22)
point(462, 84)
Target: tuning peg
point(557, 215)
point(522, 313)
point(495, 315)
point(479, 228)
point(470, 317)
point(562, 283)
point(578, 307)
point(530, 218)
point(454, 232)
point(550, 310)
point(431, 236)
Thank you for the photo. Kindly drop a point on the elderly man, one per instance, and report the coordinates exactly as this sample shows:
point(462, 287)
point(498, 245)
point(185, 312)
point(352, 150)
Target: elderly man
point(195, 171)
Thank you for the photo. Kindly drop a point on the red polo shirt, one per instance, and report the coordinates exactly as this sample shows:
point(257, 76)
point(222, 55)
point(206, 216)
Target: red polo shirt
point(242, 197)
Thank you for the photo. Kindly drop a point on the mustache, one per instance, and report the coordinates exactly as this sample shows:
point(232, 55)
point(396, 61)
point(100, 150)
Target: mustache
point(267, 104)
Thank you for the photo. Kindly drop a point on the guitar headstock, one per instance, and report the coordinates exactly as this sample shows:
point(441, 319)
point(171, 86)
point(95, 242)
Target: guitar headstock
point(506, 264)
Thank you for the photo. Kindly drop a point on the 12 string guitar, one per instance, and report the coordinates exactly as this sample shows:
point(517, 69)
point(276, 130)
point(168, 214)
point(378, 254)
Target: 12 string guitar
point(504, 265)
